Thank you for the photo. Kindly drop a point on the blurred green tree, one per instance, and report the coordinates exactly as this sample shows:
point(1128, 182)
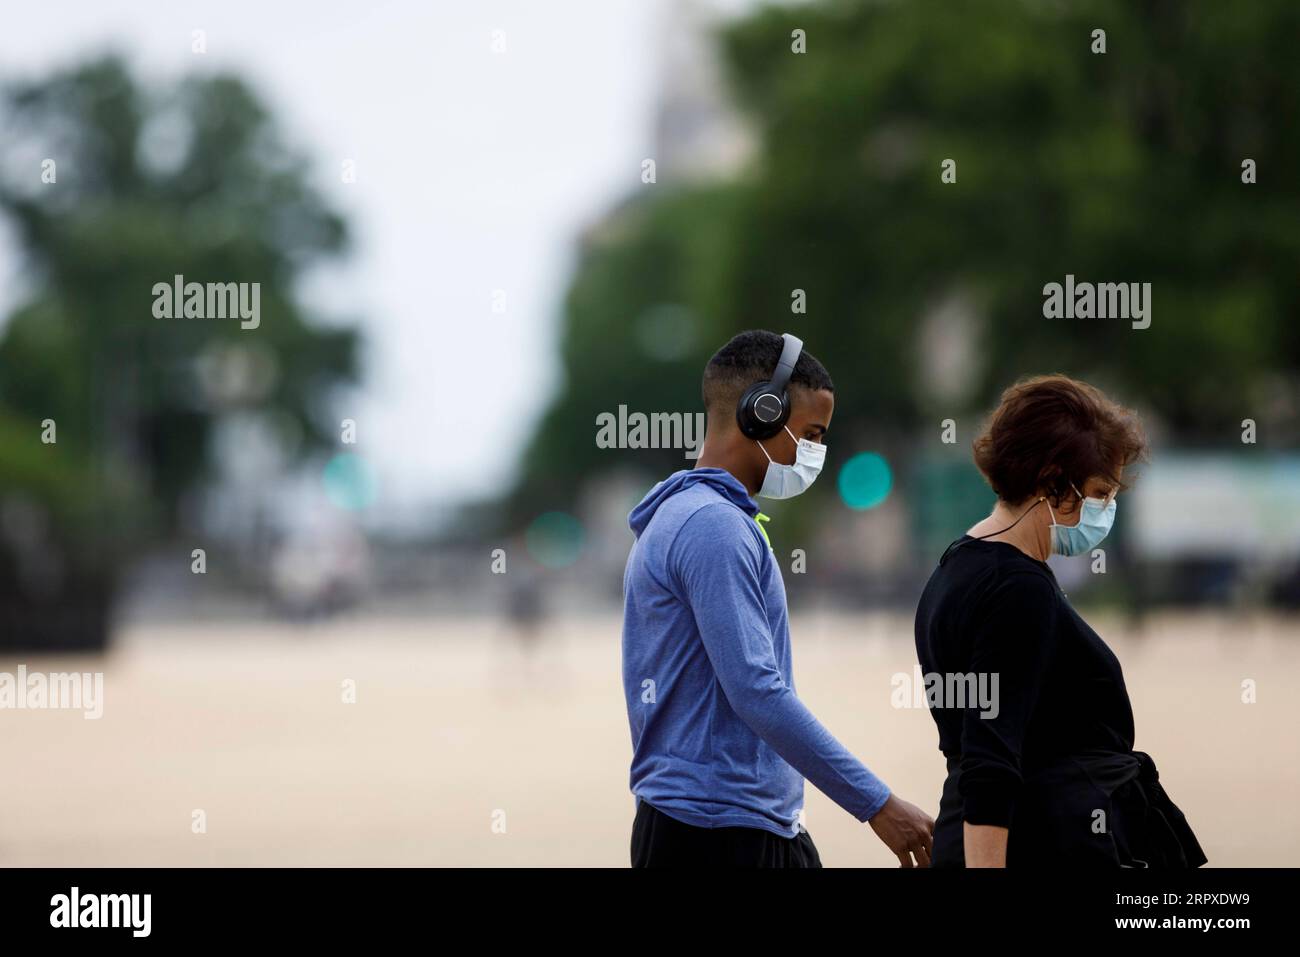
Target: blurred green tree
point(1123, 166)
point(195, 180)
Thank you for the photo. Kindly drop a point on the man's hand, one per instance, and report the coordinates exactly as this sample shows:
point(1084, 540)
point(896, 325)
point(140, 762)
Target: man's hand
point(906, 830)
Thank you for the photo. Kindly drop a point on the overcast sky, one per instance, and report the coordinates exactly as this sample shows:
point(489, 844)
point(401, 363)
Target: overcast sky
point(475, 171)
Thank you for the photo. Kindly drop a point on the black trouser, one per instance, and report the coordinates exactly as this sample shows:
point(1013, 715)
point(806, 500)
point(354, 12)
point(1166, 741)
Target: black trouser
point(662, 841)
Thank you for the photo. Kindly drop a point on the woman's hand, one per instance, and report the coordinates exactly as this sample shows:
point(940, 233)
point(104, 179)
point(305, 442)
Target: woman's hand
point(985, 845)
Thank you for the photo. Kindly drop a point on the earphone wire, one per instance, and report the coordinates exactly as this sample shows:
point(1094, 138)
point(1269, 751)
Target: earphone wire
point(976, 538)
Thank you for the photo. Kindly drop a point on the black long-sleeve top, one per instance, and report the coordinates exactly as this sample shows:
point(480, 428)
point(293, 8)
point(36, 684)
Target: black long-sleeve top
point(990, 608)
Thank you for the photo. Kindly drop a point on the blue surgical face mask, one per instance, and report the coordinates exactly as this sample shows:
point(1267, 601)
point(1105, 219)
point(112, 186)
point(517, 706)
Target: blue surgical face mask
point(1096, 516)
point(787, 481)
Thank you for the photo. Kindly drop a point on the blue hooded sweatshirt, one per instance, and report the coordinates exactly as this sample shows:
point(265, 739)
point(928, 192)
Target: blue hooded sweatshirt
point(719, 738)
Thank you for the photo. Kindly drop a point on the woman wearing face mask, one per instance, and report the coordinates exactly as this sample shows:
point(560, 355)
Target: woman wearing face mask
point(1033, 716)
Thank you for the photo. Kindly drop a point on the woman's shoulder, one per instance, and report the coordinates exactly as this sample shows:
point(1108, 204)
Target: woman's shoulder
point(1002, 556)
point(986, 568)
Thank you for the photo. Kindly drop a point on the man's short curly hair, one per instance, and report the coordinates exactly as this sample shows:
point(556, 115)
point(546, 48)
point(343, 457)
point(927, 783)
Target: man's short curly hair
point(751, 357)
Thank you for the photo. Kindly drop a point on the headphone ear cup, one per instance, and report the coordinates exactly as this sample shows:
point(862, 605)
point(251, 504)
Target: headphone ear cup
point(749, 425)
point(747, 417)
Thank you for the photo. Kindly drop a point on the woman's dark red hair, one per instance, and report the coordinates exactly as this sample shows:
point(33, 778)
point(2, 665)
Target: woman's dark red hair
point(1052, 430)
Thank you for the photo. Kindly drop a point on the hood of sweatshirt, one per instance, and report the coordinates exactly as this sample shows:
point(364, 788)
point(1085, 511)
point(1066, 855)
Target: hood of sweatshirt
point(722, 481)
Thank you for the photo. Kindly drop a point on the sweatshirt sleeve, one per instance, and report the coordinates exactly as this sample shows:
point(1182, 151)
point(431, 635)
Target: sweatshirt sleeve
point(1013, 639)
point(717, 559)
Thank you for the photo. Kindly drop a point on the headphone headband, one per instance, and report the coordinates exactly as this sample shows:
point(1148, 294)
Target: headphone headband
point(790, 352)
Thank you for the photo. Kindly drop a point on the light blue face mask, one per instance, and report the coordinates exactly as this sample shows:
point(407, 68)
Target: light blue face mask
point(1096, 516)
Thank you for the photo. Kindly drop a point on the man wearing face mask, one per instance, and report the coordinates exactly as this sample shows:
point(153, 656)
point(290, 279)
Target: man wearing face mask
point(721, 742)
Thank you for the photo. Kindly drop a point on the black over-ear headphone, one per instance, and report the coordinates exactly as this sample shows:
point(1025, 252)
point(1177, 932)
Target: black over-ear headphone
point(764, 408)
